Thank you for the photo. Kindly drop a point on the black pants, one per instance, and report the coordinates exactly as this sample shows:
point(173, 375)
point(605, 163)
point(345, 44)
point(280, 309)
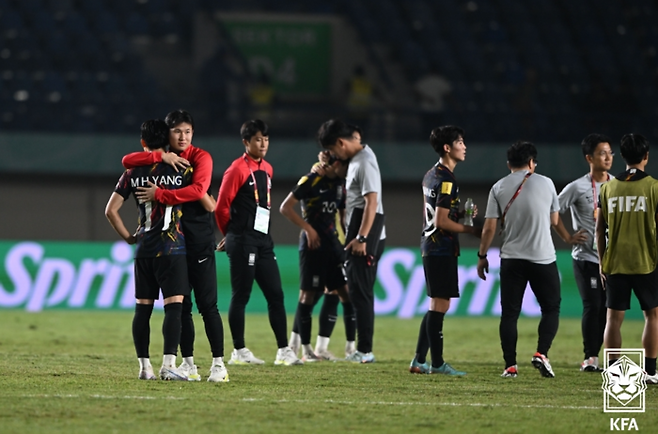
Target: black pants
point(361, 274)
point(246, 264)
point(545, 284)
point(202, 274)
point(593, 295)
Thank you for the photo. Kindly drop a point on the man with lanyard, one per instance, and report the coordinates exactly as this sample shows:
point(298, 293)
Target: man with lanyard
point(581, 198)
point(199, 238)
point(527, 206)
point(628, 257)
point(243, 216)
point(322, 198)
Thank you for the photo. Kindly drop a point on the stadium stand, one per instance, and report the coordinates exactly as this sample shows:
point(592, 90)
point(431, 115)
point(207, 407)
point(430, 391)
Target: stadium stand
point(550, 71)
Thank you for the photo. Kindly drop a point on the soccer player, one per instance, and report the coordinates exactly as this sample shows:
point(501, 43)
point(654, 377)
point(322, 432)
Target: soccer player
point(243, 216)
point(440, 247)
point(320, 258)
point(366, 234)
point(159, 256)
point(197, 208)
point(581, 198)
point(527, 206)
point(628, 257)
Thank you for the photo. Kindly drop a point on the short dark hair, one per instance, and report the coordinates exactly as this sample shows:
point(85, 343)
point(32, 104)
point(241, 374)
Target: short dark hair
point(335, 129)
point(590, 143)
point(155, 134)
point(445, 135)
point(178, 117)
point(253, 126)
point(633, 148)
point(520, 154)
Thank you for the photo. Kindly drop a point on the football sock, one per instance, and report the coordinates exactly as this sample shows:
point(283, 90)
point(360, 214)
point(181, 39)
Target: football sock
point(142, 329)
point(187, 333)
point(171, 328)
point(217, 361)
point(423, 341)
point(144, 363)
point(350, 321)
point(322, 344)
point(189, 360)
point(435, 334)
point(650, 365)
point(328, 315)
point(304, 322)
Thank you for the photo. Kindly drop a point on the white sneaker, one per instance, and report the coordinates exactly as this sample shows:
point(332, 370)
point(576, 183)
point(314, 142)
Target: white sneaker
point(218, 373)
point(244, 356)
point(309, 356)
point(285, 356)
point(172, 373)
point(590, 365)
point(350, 348)
point(326, 355)
point(147, 374)
point(190, 371)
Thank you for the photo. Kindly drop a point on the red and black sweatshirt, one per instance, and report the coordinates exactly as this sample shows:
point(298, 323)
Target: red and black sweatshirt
point(236, 201)
point(196, 221)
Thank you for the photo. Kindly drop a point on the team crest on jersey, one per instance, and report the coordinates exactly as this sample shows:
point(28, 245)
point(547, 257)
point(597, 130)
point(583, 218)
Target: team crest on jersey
point(446, 187)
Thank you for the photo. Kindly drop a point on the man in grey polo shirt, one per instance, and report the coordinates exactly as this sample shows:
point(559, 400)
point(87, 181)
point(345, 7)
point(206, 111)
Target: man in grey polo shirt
point(527, 205)
point(366, 235)
point(581, 198)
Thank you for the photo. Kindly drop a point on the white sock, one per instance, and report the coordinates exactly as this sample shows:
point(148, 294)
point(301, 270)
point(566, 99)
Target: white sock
point(169, 360)
point(308, 348)
point(322, 344)
point(217, 361)
point(295, 339)
point(189, 360)
point(144, 363)
point(350, 346)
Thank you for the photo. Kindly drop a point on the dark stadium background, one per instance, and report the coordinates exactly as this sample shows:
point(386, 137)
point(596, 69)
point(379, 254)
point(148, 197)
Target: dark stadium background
point(78, 77)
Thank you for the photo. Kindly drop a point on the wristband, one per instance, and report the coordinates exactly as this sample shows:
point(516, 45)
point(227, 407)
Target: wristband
point(482, 256)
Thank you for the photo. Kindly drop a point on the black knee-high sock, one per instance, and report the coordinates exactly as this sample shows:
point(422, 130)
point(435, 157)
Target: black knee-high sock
point(142, 329)
point(171, 327)
point(650, 365)
point(423, 344)
point(328, 315)
point(304, 319)
point(187, 333)
point(435, 335)
point(350, 321)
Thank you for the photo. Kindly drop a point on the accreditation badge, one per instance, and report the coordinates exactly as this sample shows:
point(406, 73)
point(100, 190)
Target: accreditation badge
point(262, 220)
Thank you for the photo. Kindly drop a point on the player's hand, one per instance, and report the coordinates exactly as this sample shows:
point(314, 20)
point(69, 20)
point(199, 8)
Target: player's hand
point(323, 157)
point(578, 237)
point(221, 246)
point(357, 248)
point(319, 169)
point(475, 211)
point(483, 268)
point(175, 161)
point(312, 239)
point(131, 239)
point(146, 194)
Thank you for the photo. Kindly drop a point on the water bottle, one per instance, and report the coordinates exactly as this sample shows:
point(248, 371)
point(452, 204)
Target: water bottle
point(468, 212)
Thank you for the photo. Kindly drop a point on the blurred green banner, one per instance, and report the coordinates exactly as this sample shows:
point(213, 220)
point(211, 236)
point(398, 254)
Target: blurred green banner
point(294, 55)
point(57, 275)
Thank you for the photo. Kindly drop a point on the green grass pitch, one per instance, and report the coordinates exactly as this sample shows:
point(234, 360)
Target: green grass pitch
point(75, 372)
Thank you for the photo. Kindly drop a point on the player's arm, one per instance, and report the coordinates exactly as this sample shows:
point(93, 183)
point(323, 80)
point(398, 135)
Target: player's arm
point(488, 232)
point(231, 183)
point(112, 213)
point(208, 202)
point(442, 221)
point(147, 158)
point(576, 238)
point(369, 211)
point(201, 177)
point(287, 208)
point(601, 246)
